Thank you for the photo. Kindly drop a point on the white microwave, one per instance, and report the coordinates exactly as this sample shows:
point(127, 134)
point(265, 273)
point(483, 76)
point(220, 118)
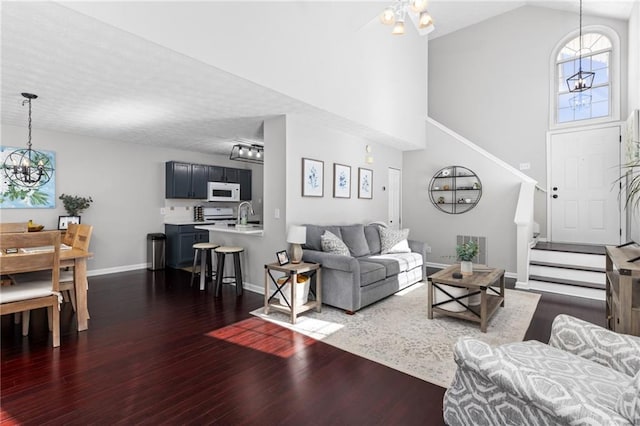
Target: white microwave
point(223, 191)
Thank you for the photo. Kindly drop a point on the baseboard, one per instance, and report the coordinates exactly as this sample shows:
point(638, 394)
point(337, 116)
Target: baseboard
point(522, 286)
point(125, 268)
point(444, 265)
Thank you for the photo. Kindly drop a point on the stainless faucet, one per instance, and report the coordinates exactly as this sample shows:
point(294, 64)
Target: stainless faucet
point(240, 206)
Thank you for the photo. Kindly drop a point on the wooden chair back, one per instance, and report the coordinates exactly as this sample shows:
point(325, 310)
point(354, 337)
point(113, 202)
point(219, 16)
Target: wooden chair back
point(8, 227)
point(70, 234)
point(28, 261)
point(82, 237)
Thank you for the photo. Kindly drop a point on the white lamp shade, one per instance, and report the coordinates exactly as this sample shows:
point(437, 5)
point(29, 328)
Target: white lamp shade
point(297, 234)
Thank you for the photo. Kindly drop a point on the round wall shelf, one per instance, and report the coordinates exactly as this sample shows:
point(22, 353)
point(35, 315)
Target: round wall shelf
point(455, 189)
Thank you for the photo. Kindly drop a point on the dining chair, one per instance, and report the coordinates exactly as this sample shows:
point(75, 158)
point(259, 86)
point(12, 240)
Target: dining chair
point(81, 239)
point(8, 227)
point(24, 296)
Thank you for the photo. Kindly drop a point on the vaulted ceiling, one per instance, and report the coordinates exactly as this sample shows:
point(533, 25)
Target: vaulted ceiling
point(93, 79)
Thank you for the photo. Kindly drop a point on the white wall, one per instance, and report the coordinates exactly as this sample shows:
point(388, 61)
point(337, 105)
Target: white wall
point(126, 182)
point(491, 218)
point(332, 146)
point(634, 60)
point(490, 83)
point(333, 55)
point(634, 93)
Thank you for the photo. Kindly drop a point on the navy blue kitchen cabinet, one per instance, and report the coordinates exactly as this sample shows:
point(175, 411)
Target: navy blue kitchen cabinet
point(180, 241)
point(184, 180)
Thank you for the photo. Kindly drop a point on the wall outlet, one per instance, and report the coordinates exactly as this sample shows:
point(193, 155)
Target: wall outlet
point(163, 210)
point(276, 214)
point(427, 249)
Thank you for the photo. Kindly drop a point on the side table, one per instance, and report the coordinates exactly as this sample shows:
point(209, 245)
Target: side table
point(292, 270)
point(479, 282)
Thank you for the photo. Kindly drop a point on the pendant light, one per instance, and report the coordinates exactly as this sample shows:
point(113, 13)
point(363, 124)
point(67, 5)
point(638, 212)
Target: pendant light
point(28, 168)
point(582, 80)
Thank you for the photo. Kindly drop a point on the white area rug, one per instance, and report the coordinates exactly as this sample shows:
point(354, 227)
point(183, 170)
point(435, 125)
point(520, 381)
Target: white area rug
point(397, 333)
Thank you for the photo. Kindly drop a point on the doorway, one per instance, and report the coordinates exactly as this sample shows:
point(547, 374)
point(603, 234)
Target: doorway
point(583, 200)
point(394, 198)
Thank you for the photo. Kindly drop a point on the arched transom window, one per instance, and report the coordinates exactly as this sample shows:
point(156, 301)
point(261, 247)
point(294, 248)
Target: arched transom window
point(596, 57)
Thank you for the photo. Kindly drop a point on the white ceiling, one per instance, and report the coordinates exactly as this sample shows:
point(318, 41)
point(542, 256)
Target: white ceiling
point(95, 80)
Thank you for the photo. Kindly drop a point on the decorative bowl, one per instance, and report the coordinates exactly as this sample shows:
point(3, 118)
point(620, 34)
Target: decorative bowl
point(35, 228)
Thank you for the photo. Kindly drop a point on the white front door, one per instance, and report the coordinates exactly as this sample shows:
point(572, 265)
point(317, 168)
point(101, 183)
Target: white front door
point(394, 198)
point(583, 199)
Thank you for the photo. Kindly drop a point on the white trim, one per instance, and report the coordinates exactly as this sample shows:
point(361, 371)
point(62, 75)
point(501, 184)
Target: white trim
point(553, 132)
point(116, 269)
point(614, 78)
point(484, 153)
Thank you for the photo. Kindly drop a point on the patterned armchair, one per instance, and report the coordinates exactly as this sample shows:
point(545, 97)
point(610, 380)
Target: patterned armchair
point(586, 375)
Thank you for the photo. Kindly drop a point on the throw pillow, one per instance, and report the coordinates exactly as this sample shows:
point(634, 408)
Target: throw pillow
point(389, 238)
point(332, 244)
point(353, 237)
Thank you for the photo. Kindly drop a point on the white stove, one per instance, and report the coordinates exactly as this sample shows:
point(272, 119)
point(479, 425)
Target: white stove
point(219, 216)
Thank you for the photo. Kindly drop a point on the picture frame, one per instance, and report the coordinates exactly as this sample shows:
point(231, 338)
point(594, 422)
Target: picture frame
point(365, 183)
point(341, 181)
point(65, 221)
point(283, 257)
point(312, 178)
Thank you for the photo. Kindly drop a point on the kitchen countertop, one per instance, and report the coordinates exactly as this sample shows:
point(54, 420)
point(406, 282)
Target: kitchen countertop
point(185, 222)
point(254, 230)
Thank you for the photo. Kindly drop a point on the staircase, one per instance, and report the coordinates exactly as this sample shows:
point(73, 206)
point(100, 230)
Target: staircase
point(572, 269)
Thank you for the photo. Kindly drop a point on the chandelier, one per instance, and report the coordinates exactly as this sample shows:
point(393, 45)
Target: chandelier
point(250, 153)
point(396, 14)
point(582, 80)
point(28, 168)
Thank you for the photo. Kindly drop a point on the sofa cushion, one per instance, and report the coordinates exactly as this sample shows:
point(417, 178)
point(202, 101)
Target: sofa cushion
point(372, 235)
point(314, 232)
point(394, 263)
point(370, 273)
point(389, 238)
point(353, 237)
point(332, 244)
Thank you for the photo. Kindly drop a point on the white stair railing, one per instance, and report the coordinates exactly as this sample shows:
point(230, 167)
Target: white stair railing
point(524, 234)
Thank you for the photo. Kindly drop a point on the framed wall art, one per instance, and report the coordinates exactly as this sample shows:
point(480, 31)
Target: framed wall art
point(365, 183)
point(65, 221)
point(341, 181)
point(312, 178)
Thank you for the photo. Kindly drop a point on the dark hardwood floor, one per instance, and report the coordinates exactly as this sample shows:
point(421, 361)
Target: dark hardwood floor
point(160, 352)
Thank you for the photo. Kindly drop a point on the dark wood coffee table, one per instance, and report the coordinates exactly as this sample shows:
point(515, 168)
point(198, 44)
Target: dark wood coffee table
point(480, 282)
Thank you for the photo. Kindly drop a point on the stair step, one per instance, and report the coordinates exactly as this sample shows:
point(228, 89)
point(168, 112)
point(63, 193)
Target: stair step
point(569, 290)
point(565, 266)
point(558, 273)
point(566, 282)
point(584, 260)
point(571, 248)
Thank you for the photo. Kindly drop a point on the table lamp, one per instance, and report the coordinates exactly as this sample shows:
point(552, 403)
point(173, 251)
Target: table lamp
point(297, 235)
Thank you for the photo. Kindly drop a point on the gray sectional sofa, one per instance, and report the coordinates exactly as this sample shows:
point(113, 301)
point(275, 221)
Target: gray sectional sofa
point(366, 276)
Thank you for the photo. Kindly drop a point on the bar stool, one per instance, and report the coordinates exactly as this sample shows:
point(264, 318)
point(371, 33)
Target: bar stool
point(221, 251)
point(206, 262)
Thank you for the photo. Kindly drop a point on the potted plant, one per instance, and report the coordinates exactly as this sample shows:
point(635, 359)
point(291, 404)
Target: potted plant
point(466, 252)
point(74, 205)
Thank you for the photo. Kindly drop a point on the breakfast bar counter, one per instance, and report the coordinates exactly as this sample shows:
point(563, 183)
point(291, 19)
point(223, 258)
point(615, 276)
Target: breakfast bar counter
point(252, 230)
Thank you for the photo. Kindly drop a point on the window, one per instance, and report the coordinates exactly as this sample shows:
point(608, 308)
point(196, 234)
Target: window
point(594, 103)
